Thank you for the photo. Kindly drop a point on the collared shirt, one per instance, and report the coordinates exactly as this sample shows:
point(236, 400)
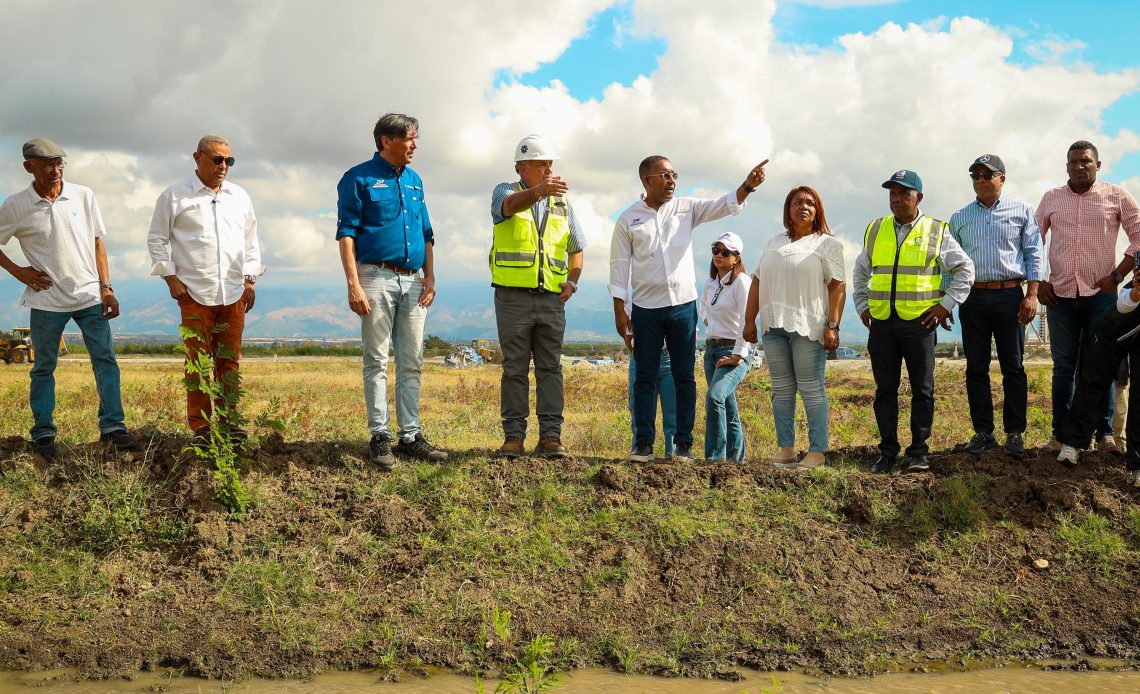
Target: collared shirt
point(951, 258)
point(207, 240)
point(1003, 241)
point(722, 308)
point(385, 212)
point(576, 242)
point(1085, 228)
point(58, 238)
point(652, 250)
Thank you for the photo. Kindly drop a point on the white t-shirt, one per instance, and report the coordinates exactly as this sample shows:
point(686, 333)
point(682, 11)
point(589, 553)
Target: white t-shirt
point(57, 237)
point(793, 279)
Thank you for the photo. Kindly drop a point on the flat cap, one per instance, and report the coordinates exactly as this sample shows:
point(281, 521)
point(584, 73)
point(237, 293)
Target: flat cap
point(42, 148)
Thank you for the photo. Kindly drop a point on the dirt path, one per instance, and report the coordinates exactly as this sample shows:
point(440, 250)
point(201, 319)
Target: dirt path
point(112, 565)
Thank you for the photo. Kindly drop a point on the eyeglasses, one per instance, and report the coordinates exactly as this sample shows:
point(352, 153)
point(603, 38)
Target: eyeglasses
point(722, 252)
point(228, 161)
point(985, 174)
point(666, 175)
point(53, 167)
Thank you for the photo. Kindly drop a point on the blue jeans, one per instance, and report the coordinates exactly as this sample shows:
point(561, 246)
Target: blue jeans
point(396, 319)
point(47, 328)
point(724, 437)
point(1072, 325)
point(674, 327)
point(668, 397)
point(797, 363)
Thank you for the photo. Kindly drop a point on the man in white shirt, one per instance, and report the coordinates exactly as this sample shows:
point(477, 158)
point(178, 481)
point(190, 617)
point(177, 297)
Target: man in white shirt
point(652, 252)
point(59, 227)
point(203, 243)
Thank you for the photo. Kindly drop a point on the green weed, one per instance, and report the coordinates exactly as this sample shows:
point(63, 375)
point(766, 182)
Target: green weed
point(1091, 540)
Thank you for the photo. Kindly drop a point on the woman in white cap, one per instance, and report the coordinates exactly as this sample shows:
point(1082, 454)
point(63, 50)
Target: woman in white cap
point(798, 293)
point(726, 353)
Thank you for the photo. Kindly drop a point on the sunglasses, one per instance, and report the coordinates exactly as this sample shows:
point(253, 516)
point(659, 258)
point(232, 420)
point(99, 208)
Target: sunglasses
point(666, 175)
point(722, 252)
point(985, 174)
point(228, 161)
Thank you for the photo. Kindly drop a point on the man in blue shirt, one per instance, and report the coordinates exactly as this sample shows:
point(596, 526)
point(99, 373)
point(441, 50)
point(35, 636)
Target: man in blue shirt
point(386, 240)
point(1002, 238)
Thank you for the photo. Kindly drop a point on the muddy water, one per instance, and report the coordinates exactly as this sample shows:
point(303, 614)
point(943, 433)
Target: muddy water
point(604, 682)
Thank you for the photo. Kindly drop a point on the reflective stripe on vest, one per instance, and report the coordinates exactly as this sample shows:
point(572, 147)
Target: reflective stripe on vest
point(907, 275)
point(521, 257)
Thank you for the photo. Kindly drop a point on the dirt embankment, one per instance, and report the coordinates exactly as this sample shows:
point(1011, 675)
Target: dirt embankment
point(111, 565)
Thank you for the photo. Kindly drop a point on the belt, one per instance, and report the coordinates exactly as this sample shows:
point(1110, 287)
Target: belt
point(1003, 284)
point(394, 268)
point(720, 342)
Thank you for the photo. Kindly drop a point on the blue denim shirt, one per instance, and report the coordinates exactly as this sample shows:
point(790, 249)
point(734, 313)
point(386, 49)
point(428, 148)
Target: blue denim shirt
point(384, 210)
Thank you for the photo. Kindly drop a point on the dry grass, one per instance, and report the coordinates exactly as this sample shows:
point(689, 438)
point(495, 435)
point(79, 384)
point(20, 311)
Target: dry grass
point(322, 400)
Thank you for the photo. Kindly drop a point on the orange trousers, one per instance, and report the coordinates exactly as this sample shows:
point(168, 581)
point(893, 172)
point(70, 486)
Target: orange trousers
point(206, 320)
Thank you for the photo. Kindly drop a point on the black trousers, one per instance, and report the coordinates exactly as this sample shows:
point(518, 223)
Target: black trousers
point(992, 314)
point(891, 343)
point(1098, 369)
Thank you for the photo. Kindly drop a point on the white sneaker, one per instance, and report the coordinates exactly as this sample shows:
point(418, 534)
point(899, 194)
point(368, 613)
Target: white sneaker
point(1068, 455)
point(1136, 478)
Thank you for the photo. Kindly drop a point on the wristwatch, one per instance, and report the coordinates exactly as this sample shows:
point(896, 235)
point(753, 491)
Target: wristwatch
point(831, 325)
point(1117, 277)
point(106, 287)
point(252, 279)
point(573, 286)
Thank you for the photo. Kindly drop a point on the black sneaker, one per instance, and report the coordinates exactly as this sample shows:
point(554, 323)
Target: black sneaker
point(683, 453)
point(1015, 446)
point(380, 452)
point(980, 443)
point(884, 465)
point(917, 463)
point(642, 452)
point(120, 440)
point(45, 446)
point(420, 449)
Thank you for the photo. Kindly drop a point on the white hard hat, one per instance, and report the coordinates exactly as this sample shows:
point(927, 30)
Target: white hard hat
point(535, 147)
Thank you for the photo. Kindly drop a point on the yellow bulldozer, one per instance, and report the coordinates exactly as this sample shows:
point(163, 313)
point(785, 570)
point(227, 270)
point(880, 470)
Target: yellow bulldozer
point(487, 349)
point(16, 347)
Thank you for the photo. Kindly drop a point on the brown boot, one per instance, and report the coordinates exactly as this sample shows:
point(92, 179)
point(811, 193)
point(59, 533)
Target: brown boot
point(551, 447)
point(511, 448)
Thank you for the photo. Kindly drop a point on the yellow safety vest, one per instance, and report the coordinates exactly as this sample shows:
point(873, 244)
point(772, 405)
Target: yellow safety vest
point(521, 257)
point(905, 276)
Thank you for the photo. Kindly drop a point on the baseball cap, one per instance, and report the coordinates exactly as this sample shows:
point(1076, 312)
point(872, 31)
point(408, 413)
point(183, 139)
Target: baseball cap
point(991, 161)
point(730, 241)
point(905, 177)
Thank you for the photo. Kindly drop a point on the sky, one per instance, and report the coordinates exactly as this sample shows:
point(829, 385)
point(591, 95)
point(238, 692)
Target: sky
point(837, 95)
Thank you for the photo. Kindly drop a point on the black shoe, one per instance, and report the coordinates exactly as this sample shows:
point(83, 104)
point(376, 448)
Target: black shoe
point(683, 453)
point(917, 463)
point(380, 452)
point(420, 449)
point(642, 452)
point(883, 466)
point(979, 443)
point(1015, 446)
point(120, 440)
point(45, 446)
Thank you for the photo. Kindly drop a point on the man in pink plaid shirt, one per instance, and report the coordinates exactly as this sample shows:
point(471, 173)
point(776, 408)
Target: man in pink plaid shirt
point(1085, 216)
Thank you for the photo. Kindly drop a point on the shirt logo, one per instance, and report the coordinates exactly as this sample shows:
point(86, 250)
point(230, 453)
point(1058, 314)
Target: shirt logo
point(379, 184)
point(918, 240)
point(635, 221)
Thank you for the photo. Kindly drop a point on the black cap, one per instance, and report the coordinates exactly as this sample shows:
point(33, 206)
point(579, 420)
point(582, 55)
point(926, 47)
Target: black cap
point(991, 161)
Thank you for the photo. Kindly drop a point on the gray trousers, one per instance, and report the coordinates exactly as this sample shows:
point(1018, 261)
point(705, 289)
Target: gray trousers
point(530, 325)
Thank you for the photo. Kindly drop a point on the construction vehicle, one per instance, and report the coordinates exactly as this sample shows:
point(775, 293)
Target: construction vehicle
point(488, 351)
point(16, 348)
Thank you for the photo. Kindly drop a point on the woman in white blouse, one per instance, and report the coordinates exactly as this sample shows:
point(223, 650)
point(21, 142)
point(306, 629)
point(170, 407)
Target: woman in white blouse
point(798, 293)
point(726, 353)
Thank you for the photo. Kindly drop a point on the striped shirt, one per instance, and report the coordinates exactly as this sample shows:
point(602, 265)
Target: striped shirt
point(575, 244)
point(1003, 241)
point(1086, 226)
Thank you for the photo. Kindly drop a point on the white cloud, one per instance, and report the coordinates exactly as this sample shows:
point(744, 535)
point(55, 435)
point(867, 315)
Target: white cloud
point(297, 86)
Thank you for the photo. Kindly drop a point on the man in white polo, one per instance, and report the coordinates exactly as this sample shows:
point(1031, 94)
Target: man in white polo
point(60, 230)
